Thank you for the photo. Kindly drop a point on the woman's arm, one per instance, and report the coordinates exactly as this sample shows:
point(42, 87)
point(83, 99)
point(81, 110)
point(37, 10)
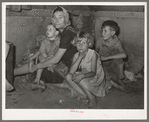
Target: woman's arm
point(52, 61)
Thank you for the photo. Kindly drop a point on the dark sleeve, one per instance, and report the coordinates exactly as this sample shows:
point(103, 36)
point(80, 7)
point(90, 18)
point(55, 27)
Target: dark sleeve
point(66, 39)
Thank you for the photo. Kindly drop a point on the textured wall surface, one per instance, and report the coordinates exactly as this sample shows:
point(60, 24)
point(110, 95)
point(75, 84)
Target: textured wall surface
point(22, 32)
point(131, 28)
point(23, 27)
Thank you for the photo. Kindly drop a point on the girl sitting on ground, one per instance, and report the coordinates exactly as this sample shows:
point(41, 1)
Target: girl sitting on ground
point(86, 74)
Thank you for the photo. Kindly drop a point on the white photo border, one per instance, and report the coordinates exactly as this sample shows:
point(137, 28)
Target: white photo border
point(56, 114)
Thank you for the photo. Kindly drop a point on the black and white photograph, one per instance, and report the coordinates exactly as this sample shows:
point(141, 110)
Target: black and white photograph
point(74, 60)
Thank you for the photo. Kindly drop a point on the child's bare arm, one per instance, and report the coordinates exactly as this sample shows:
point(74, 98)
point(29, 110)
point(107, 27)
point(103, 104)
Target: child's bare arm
point(42, 48)
point(78, 77)
point(120, 55)
point(75, 64)
point(34, 56)
point(92, 73)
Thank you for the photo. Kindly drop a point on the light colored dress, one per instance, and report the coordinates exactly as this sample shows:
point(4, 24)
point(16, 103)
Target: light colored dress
point(97, 83)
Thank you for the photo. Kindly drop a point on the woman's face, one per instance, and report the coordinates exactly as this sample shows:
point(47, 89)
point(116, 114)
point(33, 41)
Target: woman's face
point(59, 20)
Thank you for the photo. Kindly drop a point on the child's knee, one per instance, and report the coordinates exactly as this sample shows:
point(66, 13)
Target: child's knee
point(68, 77)
point(120, 71)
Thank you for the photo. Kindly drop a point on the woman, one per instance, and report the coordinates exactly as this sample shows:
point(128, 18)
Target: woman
point(63, 58)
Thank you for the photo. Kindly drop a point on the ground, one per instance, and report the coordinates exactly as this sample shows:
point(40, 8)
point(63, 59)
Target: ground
point(58, 98)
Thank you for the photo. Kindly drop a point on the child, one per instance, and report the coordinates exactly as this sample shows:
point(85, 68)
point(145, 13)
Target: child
point(89, 80)
point(47, 49)
point(111, 51)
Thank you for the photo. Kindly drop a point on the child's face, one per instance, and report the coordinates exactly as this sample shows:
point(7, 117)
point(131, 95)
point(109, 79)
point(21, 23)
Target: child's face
point(51, 31)
point(107, 33)
point(82, 45)
point(59, 20)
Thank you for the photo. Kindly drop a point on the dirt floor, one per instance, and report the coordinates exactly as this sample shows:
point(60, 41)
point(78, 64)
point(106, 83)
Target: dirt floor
point(57, 98)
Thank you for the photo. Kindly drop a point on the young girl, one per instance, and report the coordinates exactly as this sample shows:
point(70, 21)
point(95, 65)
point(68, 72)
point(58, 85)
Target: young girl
point(86, 74)
point(48, 48)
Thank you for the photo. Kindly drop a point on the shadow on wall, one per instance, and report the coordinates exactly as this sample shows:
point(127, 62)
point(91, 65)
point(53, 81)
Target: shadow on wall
point(22, 32)
point(22, 29)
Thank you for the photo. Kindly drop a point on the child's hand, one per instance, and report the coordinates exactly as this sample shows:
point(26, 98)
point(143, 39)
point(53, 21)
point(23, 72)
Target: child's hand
point(51, 69)
point(82, 55)
point(31, 57)
point(77, 77)
point(33, 68)
point(104, 58)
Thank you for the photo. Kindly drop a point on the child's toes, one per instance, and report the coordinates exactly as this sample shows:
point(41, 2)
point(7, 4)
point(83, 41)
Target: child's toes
point(74, 94)
point(36, 81)
point(9, 87)
point(42, 82)
point(92, 104)
point(86, 102)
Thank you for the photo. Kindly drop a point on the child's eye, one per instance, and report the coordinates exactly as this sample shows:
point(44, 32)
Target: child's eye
point(60, 17)
point(78, 43)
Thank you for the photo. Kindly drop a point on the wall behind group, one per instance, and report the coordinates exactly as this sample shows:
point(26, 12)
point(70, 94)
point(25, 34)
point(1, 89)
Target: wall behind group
point(23, 27)
point(131, 29)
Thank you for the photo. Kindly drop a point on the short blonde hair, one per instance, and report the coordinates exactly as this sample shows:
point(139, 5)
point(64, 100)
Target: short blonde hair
point(81, 35)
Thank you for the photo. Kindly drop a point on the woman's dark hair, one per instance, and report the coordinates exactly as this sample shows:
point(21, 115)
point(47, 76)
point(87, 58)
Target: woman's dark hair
point(58, 8)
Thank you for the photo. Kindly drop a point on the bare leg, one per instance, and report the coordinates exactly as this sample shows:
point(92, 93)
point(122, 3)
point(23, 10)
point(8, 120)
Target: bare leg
point(121, 74)
point(9, 87)
point(7, 49)
point(39, 71)
point(92, 98)
point(75, 86)
point(38, 76)
point(24, 69)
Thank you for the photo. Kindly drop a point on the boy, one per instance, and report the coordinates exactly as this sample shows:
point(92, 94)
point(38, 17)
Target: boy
point(112, 53)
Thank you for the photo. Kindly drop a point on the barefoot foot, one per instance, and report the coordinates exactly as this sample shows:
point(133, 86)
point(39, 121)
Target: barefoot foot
point(74, 94)
point(93, 104)
point(36, 81)
point(9, 87)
